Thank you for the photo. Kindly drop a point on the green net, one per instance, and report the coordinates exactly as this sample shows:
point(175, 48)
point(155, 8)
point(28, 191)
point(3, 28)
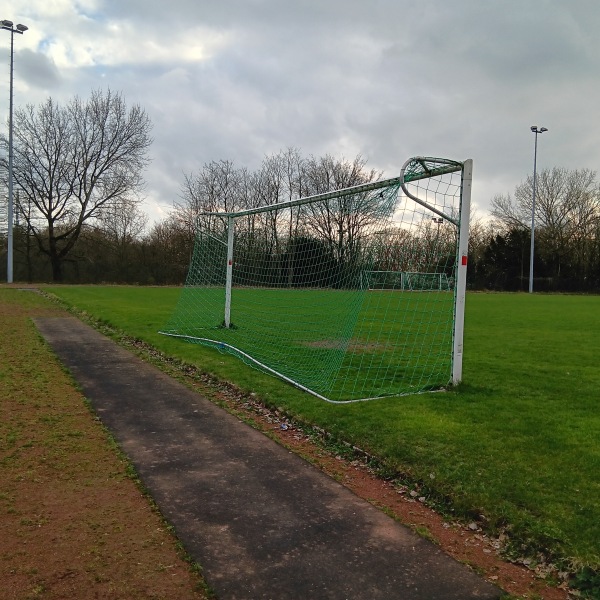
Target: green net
point(349, 295)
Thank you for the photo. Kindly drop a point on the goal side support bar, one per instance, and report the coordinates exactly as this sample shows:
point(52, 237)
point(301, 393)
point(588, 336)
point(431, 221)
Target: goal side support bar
point(229, 272)
point(461, 271)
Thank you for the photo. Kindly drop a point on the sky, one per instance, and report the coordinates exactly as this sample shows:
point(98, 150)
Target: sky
point(386, 79)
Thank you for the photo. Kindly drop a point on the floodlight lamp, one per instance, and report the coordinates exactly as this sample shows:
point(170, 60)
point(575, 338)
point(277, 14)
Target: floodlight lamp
point(22, 28)
point(543, 129)
point(7, 23)
point(534, 128)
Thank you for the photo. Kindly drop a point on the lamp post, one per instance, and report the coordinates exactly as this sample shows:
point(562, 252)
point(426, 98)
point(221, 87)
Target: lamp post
point(8, 25)
point(535, 130)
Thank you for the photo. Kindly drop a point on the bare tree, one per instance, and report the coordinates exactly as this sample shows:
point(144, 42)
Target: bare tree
point(341, 222)
point(213, 188)
point(509, 214)
point(167, 252)
point(275, 237)
point(563, 198)
point(480, 233)
point(123, 225)
point(72, 162)
point(567, 212)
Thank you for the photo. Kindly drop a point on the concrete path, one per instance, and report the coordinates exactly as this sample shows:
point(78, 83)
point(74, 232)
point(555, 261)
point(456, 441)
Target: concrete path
point(261, 521)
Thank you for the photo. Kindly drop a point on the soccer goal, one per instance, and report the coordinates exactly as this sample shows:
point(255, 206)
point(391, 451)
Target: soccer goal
point(416, 282)
point(320, 291)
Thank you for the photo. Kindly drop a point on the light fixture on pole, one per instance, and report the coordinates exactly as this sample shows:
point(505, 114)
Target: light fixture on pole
point(438, 221)
point(535, 130)
point(8, 25)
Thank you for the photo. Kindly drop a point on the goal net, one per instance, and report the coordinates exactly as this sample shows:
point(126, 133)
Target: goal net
point(321, 291)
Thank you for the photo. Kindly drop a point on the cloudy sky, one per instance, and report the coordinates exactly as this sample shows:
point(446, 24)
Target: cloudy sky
point(387, 79)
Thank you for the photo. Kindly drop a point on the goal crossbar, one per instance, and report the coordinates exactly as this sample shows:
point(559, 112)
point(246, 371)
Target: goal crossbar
point(413, 169)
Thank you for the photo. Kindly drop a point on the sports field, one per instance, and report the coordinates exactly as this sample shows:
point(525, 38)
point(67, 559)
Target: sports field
point(516, 447)
point(342, 344)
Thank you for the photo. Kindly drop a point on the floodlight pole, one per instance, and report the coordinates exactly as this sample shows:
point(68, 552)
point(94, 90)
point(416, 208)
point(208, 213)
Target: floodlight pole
point(437, 221)
point(8, 25)
point(535, 130)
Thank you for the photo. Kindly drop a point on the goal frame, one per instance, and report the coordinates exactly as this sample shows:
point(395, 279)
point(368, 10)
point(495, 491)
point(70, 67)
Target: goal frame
point(414, 169)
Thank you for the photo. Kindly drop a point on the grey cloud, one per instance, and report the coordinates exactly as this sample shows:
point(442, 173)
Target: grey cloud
point(388, 79)
point(37, 69)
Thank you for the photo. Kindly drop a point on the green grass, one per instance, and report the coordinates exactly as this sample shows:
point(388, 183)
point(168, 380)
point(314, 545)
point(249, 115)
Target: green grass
point(517, 442)
point(329, 341)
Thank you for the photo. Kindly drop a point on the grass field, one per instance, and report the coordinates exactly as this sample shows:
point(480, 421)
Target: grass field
point(341, 344)
point(516, 446)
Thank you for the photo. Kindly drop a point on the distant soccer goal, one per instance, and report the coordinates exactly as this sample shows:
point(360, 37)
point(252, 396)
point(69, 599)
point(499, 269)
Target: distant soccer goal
point(320, 291)
point(409, 281)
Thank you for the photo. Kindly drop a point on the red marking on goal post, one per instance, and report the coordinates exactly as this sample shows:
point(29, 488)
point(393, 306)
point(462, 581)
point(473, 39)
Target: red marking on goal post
point(464, 261)
point(230, 262)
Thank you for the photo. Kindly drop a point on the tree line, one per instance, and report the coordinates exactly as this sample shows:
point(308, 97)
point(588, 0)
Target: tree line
point(567, 235)
point(78, 187)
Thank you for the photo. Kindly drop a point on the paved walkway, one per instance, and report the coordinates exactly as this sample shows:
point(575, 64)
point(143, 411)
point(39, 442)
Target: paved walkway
point(261, 521)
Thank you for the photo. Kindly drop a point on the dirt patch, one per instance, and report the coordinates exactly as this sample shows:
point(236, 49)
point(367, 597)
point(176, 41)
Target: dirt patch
point(73, 521)
point(352, 346)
